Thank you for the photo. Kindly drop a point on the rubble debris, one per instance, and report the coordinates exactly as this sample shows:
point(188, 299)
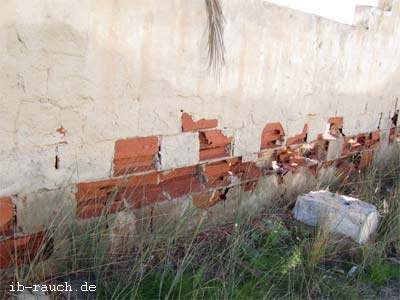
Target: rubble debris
point(341, 214)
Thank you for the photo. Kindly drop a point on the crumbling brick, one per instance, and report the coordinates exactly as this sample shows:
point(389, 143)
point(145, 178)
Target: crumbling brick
point(135, 155)
point(392, 135)
point(94, 197)
point(217, 174)
point(250, 186)
point(189, 125)
point(247, 171)
point(22, 250)
point(6, 214)
point(180, 182)
point(338, 121)
point(207, 199)
point(272, 136)
point(366, 159)
point(214, 144)
point(299, 138)
point(90, 210)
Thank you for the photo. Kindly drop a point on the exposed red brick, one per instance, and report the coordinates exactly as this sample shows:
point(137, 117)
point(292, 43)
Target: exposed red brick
point(250, 186)
point(61, 131)
point(366, 159)
point(375, 135)
point(206, 200)
point(373, 139)
point(283, 155)
point(21, 250)
point(314, 169)
point(272, 136)
point(189, 125)
point(218, 173)
point(180, 172)
point(299, 138)
point(348, 144)
point(392, 134)
point(247, 171)
point(90, 211)
point(135, 155)
point(336, 120)
point(98, 194)
point(298, 160)
point(180, 182)
point(213, 144)
point(96, 190)
point(6, 214)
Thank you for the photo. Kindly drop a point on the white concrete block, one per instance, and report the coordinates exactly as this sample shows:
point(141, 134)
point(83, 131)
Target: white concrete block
point(46, 209)
point(179, 150)
point(247, 141)
point(335, 148)
point(341, 214)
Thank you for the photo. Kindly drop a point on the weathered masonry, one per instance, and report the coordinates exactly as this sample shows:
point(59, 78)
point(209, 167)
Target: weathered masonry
point(109, 106)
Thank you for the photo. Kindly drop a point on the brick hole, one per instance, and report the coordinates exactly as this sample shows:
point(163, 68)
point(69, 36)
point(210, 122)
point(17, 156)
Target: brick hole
point(393, 128)
point(395, 118)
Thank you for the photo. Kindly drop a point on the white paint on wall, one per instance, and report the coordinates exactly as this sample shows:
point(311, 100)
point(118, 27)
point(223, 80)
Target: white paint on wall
point(338, 10)
point(179, 150)
point(107, 70)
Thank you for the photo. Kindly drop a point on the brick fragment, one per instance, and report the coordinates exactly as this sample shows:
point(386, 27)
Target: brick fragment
point(6, 214)
point(179, 182)
point(22, 250)
point(250, 186)
point(247, 171)
point(272, 136)
point(90, 210)
point(94, 197)
point(217, 174)
point(299, 138)
point(213, 144)
point(206, 200)
point(338, 121)
point(189, 125)
point(135, 155)
point(366, 159)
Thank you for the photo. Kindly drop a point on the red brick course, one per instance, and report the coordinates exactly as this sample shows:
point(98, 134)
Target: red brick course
point(205, 181)
point(135, 155)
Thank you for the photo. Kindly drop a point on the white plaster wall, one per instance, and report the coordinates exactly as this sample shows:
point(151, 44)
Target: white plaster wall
point(106, 70)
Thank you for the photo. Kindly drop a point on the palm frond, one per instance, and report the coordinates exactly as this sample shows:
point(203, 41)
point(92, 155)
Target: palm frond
point(216, 46)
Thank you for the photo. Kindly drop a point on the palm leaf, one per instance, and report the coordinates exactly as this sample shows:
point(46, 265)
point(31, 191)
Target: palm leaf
point(216, 46)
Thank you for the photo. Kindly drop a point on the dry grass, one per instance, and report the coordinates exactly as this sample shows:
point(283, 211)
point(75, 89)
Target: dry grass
point(260, 256)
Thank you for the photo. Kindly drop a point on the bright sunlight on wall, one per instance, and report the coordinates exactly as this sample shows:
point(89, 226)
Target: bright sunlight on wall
point(338, 10)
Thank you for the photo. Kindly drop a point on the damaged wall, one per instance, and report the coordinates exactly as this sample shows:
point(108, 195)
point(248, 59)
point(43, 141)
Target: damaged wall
point(100, 95)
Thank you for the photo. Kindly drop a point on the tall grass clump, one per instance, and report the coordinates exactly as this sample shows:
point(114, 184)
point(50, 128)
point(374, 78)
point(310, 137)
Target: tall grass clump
point(158, 253)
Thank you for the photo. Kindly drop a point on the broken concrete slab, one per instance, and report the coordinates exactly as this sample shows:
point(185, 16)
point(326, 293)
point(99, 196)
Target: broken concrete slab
point(341, 214)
